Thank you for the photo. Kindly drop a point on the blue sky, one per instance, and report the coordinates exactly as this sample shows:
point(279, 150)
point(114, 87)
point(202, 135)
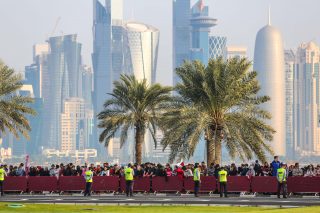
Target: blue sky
point(26, 22)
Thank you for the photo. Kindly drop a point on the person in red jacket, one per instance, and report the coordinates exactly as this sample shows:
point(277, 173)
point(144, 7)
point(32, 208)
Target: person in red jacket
point(179, 172)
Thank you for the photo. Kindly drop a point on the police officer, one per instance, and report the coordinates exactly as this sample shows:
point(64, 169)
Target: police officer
point(196, 179)
point(282, 180)
point(223, 181)
point(129, 174)
point(2, 175)
point(89, 181)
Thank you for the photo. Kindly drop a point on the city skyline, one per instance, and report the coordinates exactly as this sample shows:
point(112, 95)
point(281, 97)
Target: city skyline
point(228, 13)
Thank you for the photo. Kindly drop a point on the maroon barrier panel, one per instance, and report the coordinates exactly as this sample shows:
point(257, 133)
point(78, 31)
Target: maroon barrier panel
point(69, 183)
point(105, 183)
point(237, 184)
point(40, 184)
point(304, 184)
point(262, 184)
point(12, 183)
point(140, 184)
point(169, 184)
point(208, 184)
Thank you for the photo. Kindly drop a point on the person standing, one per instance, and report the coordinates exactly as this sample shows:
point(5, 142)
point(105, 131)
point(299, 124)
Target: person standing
point(282, 180)
point(196, 179)
point(2, 175)
point(129, 174)
point(223, 181)
point(89, 181)
point(275, 165)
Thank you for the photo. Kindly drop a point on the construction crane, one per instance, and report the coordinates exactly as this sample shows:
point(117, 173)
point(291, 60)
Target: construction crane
point(55, 26)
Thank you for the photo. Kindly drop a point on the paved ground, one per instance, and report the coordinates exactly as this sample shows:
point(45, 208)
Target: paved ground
point(163, 200)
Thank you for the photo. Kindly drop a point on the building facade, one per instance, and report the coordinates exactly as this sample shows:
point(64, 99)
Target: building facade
point(269, 63)
point(236, 51)
point(217, 46)
point(307, 106)
point(289, 57)
point(181, 42)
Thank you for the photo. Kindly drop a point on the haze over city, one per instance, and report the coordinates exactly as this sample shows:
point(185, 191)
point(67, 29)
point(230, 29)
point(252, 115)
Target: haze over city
point(25, 23)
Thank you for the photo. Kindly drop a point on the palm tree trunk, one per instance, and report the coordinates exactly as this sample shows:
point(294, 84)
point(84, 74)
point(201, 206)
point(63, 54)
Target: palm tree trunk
point(218, 151)
point(210, 148)
point(139, 139)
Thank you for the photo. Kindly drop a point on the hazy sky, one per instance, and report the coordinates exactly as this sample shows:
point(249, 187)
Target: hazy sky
point(26, 22)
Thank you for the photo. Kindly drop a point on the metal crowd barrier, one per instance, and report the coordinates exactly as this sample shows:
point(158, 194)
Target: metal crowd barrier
point(158, 184)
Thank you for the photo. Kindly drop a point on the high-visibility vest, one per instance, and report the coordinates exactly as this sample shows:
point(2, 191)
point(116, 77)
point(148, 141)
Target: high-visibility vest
point(196, 174)
point(222, 175)
point(128, 173)
point(2, 172)
point(89, 176)
point(281, 175)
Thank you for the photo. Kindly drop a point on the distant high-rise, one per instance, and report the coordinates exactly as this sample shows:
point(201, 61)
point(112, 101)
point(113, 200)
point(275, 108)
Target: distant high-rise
point(289, 57)
point(75, 124)
point(217, 46)
point(201, 26)
point(236, 51)
point(306, 100)
point(181, 34)
point(102, 56)
point(64, 62)
point(141, 45)
point(269, 63)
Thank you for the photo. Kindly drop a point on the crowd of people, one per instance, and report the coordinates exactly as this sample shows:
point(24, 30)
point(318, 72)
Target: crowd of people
point(150, 170)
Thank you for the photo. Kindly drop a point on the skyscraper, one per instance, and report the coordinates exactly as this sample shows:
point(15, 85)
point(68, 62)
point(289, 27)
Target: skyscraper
point(269, 63)
point(306, 100)
point(217, 46)
point(141, 43)
point(181, 34)
point(201, 26)
point(289, 57)
point(102, 56)
point(64, 71)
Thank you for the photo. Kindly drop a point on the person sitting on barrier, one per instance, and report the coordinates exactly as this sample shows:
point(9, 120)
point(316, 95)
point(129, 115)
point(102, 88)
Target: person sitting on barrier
point(282, 180)
point(197, 179)
point(89, 181)
point(310, 171)
point(266, 169)
point(223, 181)
point(2, 176)
point(129, 175)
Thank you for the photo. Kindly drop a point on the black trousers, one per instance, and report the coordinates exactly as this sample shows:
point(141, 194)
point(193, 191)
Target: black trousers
point(223, 189)
point(1, 187)
point(196, 187)
point(129, 187)
point(282, 186)
point(87, 192)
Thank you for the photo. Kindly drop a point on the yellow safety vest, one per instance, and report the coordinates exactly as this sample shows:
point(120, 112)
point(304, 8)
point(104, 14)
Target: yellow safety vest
point(128, 174)
point(223, 176)
point(196, 175)
point(2, 172)
point(281, 175)
point(89, 176)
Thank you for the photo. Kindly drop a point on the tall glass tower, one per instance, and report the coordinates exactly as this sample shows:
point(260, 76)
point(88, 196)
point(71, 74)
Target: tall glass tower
point(201, 26)
point(181, 34)
point(217, 46)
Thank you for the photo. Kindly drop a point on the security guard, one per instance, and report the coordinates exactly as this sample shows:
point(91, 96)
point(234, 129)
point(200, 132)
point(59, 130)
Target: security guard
point(282, 180)
point(2, 175)
point(223, 181)
point(128, 175)
point(196, 179)
point(89, 181)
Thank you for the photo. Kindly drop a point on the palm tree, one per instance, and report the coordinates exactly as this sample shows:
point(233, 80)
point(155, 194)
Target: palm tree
point(218, 103)
point(13, 107)
point(133, 104)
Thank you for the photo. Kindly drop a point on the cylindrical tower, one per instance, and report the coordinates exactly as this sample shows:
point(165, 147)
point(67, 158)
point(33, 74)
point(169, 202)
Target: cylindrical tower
point(269, 63)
